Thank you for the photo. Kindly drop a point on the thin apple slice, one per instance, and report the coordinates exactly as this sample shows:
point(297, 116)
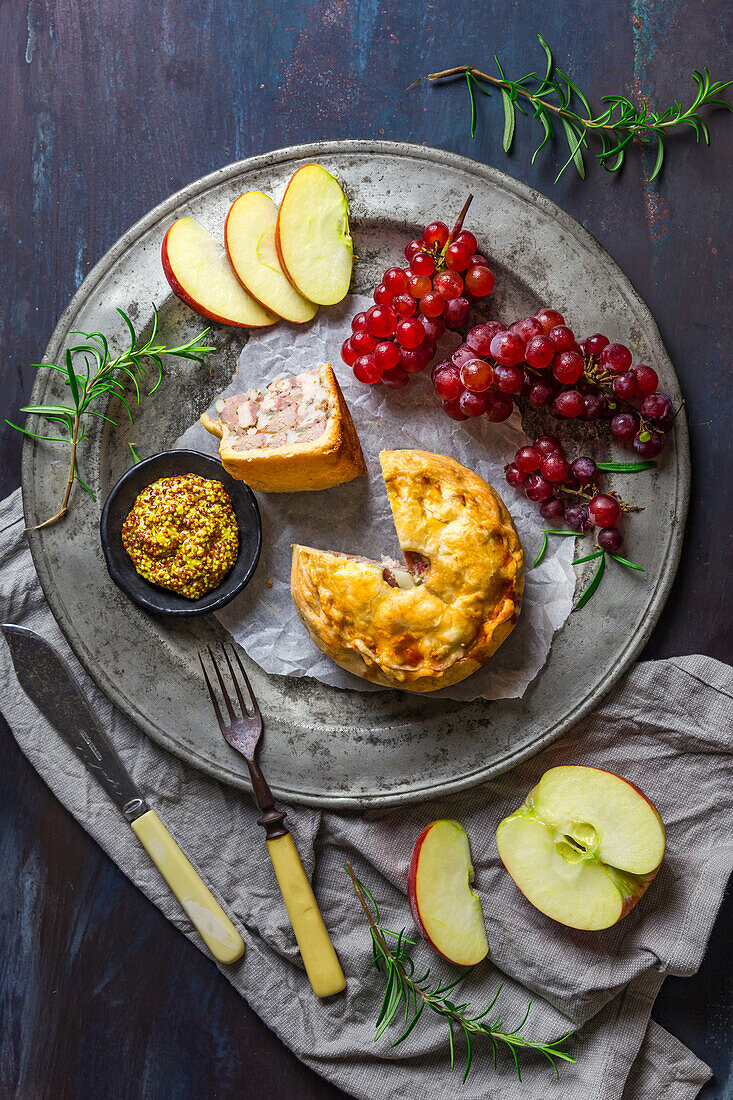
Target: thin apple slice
point(249, 237)
point(445, 908)
point(312, 235)
point(583, 847)
point(199, 273)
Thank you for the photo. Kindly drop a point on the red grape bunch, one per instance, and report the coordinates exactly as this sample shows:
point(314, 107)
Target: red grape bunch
point(396, 337)
point(567, 491)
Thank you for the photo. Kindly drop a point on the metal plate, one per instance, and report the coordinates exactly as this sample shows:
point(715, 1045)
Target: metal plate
point(324, 746)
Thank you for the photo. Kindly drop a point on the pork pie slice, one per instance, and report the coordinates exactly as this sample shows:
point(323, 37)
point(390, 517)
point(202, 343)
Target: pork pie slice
point(295, 434)
point(436, 620)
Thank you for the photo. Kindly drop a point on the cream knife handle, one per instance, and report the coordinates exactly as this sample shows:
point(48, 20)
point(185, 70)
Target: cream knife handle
point(218, 932)
point(318, 954)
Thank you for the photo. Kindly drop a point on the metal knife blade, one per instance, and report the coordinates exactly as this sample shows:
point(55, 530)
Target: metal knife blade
point(48, 682)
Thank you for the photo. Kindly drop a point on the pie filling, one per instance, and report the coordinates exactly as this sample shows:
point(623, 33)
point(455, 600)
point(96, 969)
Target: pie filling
point(287, 411)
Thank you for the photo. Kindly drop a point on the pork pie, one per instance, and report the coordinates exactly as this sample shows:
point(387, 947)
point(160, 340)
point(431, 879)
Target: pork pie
point(436, 620)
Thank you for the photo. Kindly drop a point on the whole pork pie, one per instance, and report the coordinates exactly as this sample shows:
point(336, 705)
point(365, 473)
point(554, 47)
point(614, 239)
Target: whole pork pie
point(294, 435)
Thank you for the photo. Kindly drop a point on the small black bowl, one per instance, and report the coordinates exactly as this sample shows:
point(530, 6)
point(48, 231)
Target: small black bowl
point(161, 601)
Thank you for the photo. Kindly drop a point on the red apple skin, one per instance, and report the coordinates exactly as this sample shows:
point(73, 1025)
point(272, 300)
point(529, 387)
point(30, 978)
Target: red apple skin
point(412, 893)
point(645, 881)
point(186, 298)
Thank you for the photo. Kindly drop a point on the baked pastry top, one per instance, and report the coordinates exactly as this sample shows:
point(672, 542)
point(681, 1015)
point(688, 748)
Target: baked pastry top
point(436, 620)
point(296, 434)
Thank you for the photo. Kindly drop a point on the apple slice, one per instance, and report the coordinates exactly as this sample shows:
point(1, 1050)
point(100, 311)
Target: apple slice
point(583, 847)
point(199, 273)
point(445, 908)
point(249, 236)
point(312, 235)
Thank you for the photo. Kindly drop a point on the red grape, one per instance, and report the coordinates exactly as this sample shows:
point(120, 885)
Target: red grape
point(528, 459)
point(648, 444)
point(447, 383)
point(527, 328)
point(404, 305)
point(616, 358)
point(540, 394)
point(569, 403)
point(395, 378)
point(418, 285)
point(456, 312)
point(584, 470)
point(362, 342)
point(508, 349)
point(499, 406)
point(611, 539)
point(410, 333)
point(552, 510)
point(477, 260)
point(435, 235)
point(366, 370)
point(349, 354)
point(624, 385)
point(515, 476)
point(395, 279)
point(463, 354)
point(576, 516)
point(624, 427)
point(413, 248)
point(422, 263)
point(657, 406)
point(593, 406)
point(382, 296)
point(434, 327)
point(360, 323)
point(479, 280)
point(472, 404)
point(508, 379)
point(448, 284)
point(457, 256)
point(604, 510)
point(537, 489)
point(382, 320)
point(432, 304)
point(647, 379)
point(467, 240)
point(439, 367)
point(480, 336)
point(539, 352)
point(413, 360)
point(549, 319)
point(476, 375)
point(386, 355)
point(568, 367)
point(554, 467)
point(453, 410)
point(545, 444)
point(595, 344)
point(562, 337)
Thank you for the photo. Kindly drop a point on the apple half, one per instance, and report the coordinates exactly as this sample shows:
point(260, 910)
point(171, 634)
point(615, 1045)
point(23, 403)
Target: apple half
point(199, 273)
point(444, 907)
point(312, 236)
point(249, 237)
point(583, 847)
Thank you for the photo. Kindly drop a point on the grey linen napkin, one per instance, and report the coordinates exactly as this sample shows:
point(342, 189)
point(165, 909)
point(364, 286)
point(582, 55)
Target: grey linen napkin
point(666, 727)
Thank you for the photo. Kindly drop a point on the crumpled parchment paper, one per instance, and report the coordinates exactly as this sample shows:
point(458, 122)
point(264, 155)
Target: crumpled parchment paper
point(356, 517)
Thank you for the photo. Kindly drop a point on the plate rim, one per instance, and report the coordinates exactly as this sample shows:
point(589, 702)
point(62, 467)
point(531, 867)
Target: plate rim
point(654, 605)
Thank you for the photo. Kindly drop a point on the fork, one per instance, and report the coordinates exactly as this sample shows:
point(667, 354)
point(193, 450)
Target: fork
point(243, 732)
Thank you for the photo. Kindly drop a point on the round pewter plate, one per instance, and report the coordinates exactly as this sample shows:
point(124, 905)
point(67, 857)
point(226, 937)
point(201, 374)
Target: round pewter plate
point(323, 746)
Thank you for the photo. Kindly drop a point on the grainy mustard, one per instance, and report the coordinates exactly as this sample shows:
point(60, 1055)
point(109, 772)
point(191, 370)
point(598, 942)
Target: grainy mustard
point(182, 534)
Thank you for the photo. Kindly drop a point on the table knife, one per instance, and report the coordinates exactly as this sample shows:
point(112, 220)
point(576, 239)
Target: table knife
point(49, 683)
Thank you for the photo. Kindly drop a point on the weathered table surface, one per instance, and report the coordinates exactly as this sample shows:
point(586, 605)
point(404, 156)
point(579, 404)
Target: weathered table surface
point(107, 108)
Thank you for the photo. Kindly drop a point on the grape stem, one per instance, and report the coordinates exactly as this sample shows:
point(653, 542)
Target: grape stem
point(459, 224)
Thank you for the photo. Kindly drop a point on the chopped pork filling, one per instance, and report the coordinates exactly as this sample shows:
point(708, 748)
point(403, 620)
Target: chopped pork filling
point(288, 410)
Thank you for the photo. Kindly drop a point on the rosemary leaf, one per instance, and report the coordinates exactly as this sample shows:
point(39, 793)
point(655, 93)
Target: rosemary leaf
point(590, 590)
point(626, 467)
point(541, 554)
point(626, 562)
point(510, 119)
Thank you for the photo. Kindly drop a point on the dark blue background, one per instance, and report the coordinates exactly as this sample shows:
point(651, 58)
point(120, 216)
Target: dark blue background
point(108, 107)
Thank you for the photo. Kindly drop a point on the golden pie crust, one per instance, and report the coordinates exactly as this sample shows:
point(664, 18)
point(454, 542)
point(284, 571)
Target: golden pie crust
point(442, 630)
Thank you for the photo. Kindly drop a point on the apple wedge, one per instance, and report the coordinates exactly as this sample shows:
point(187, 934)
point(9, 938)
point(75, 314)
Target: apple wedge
point(583, 847)
point(445, 908)
point(312, 236)
point(199, 273)
point(249, 237)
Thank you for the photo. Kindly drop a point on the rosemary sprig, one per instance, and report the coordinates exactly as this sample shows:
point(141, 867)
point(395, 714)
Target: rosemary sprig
point(596, 554)
point(102, 375)
point(416, 994)
point(554, 97)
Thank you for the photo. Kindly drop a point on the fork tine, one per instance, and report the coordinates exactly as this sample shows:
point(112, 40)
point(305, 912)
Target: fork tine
point(222, 685)
point(214, 702)
point(252, 695)
point(235, 681)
